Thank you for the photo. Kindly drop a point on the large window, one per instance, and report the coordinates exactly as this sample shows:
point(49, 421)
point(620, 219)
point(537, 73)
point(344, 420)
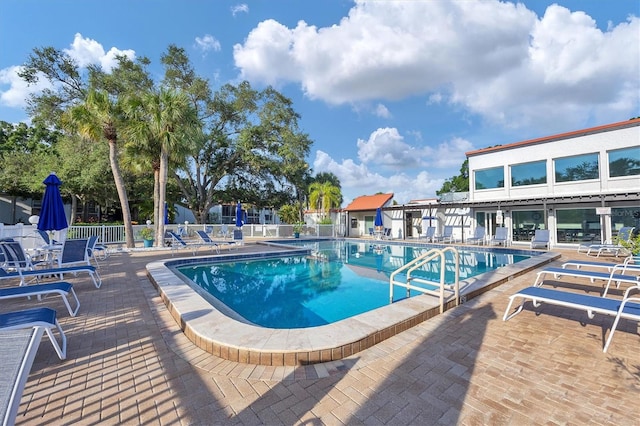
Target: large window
point(624, 162)
point(624, 216)
point(578, 225)
point(525, 223)
point(490, 178)
point(529, 173)
point(578, 167)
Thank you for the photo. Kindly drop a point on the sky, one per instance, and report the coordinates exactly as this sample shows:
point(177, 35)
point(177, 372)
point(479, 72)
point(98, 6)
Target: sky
point(392, 93)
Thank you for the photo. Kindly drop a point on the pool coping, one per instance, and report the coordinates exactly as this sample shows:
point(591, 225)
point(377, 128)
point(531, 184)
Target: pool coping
point(227, 338)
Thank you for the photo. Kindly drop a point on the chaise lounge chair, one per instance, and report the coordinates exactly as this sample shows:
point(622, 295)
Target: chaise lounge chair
point(479, 236)
point(61, 288)
point(540, 239)
point(501, 237)
point(624, 234)
point(206, 240)
point(430, 234)
point(17, 349)
point(178, 243)
point(238, 237)
point(447, 235)
point(36, 317)
point(628, 307)
point(591, 275)
point(14, 258)
point(630, 261)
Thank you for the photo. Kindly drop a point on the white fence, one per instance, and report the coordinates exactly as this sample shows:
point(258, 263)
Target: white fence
point(114, 234)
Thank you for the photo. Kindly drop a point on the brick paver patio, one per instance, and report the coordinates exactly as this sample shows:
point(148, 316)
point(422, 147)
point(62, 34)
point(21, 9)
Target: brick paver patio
point(129, 363)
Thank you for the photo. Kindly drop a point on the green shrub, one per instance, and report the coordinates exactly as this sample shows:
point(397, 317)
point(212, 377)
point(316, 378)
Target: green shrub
point(146, 233)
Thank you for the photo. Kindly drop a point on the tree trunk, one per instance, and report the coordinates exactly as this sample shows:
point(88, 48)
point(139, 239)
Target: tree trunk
point(74, 208)
point(122, 194)
point(162, 191)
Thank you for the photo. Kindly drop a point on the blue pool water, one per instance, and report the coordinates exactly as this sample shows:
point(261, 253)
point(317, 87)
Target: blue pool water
point(339, 279)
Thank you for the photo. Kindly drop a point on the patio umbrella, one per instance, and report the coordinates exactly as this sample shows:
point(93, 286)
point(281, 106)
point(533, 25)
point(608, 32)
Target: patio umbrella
point(239, 215)
point(378, 221)
point(52, 215)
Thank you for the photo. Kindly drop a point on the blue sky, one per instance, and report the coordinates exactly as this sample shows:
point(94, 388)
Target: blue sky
point(393, 93)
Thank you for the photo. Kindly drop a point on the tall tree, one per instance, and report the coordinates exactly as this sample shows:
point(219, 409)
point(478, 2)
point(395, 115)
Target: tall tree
point(324, 196)
point(332, 178)
point(98, 119)
point(459, 183)
point(93, 94)
point(251, 148)
point(163, 123)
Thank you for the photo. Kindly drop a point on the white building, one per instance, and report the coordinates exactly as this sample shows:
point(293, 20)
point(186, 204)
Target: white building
point(582, 185)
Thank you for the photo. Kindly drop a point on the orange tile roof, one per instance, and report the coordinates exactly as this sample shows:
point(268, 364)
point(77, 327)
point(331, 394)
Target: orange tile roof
point(369, 202)
point(567, 135)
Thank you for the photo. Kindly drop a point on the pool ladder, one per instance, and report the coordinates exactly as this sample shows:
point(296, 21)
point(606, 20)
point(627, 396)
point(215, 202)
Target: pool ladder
point(420, 261)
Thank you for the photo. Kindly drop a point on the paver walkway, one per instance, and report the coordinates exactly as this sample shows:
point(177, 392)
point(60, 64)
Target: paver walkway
point(129, 363)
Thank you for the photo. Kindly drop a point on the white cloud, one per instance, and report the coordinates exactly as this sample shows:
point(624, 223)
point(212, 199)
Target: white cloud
point(387, 148)
point(239, 8)
point(86, 51)
point(493, 58)
point(382, 111)
point(207, 43)
point(18, 91)
point(358, 179)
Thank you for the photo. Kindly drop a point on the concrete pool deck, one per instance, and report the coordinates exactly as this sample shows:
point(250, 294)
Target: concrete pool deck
point(129, 363)
point(228, 338)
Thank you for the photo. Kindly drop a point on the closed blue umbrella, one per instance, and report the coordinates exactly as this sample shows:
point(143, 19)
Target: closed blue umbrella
point(52, 214)
point(239, 215)
point(378, 221)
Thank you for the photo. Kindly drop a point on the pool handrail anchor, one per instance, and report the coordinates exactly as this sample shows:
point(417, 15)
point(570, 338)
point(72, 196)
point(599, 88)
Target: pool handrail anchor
point(420, 261)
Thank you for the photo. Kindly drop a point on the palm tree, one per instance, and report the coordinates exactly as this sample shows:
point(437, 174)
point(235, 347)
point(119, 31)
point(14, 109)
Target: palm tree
point(98, 119)
point(324, 196)
point(163, 124)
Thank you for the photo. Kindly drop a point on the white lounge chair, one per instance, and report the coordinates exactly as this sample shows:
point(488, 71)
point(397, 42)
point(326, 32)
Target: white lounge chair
point(540, 239)
point(430, 234)
point(631, 261)
point(178, 243)
point(95, 250)
point(628, 307)
point(501, 237)
point(224, 231)
point(16, 257)
point(591, 275)
point(624, 234)
point(238, 238)
point(479, 236)
point(36, 317)
point(18, 349)
point(13, 260)
point(447, 235)
point(61, 288)
point(207, 241)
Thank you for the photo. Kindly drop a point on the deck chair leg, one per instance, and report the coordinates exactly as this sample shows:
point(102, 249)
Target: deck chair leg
point(97, 280)
point(508, 316)
point(613, 329)
point(66, 302)
point(61, 351)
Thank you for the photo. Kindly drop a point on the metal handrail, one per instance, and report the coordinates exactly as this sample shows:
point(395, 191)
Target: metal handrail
point(421, 261)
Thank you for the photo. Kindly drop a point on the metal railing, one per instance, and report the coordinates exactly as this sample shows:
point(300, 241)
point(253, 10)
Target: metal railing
point(114, 234)
point(418, 263)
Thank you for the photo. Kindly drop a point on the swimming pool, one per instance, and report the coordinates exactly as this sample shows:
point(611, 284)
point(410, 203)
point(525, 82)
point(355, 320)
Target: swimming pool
point(216, 329)
point(336, 280)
